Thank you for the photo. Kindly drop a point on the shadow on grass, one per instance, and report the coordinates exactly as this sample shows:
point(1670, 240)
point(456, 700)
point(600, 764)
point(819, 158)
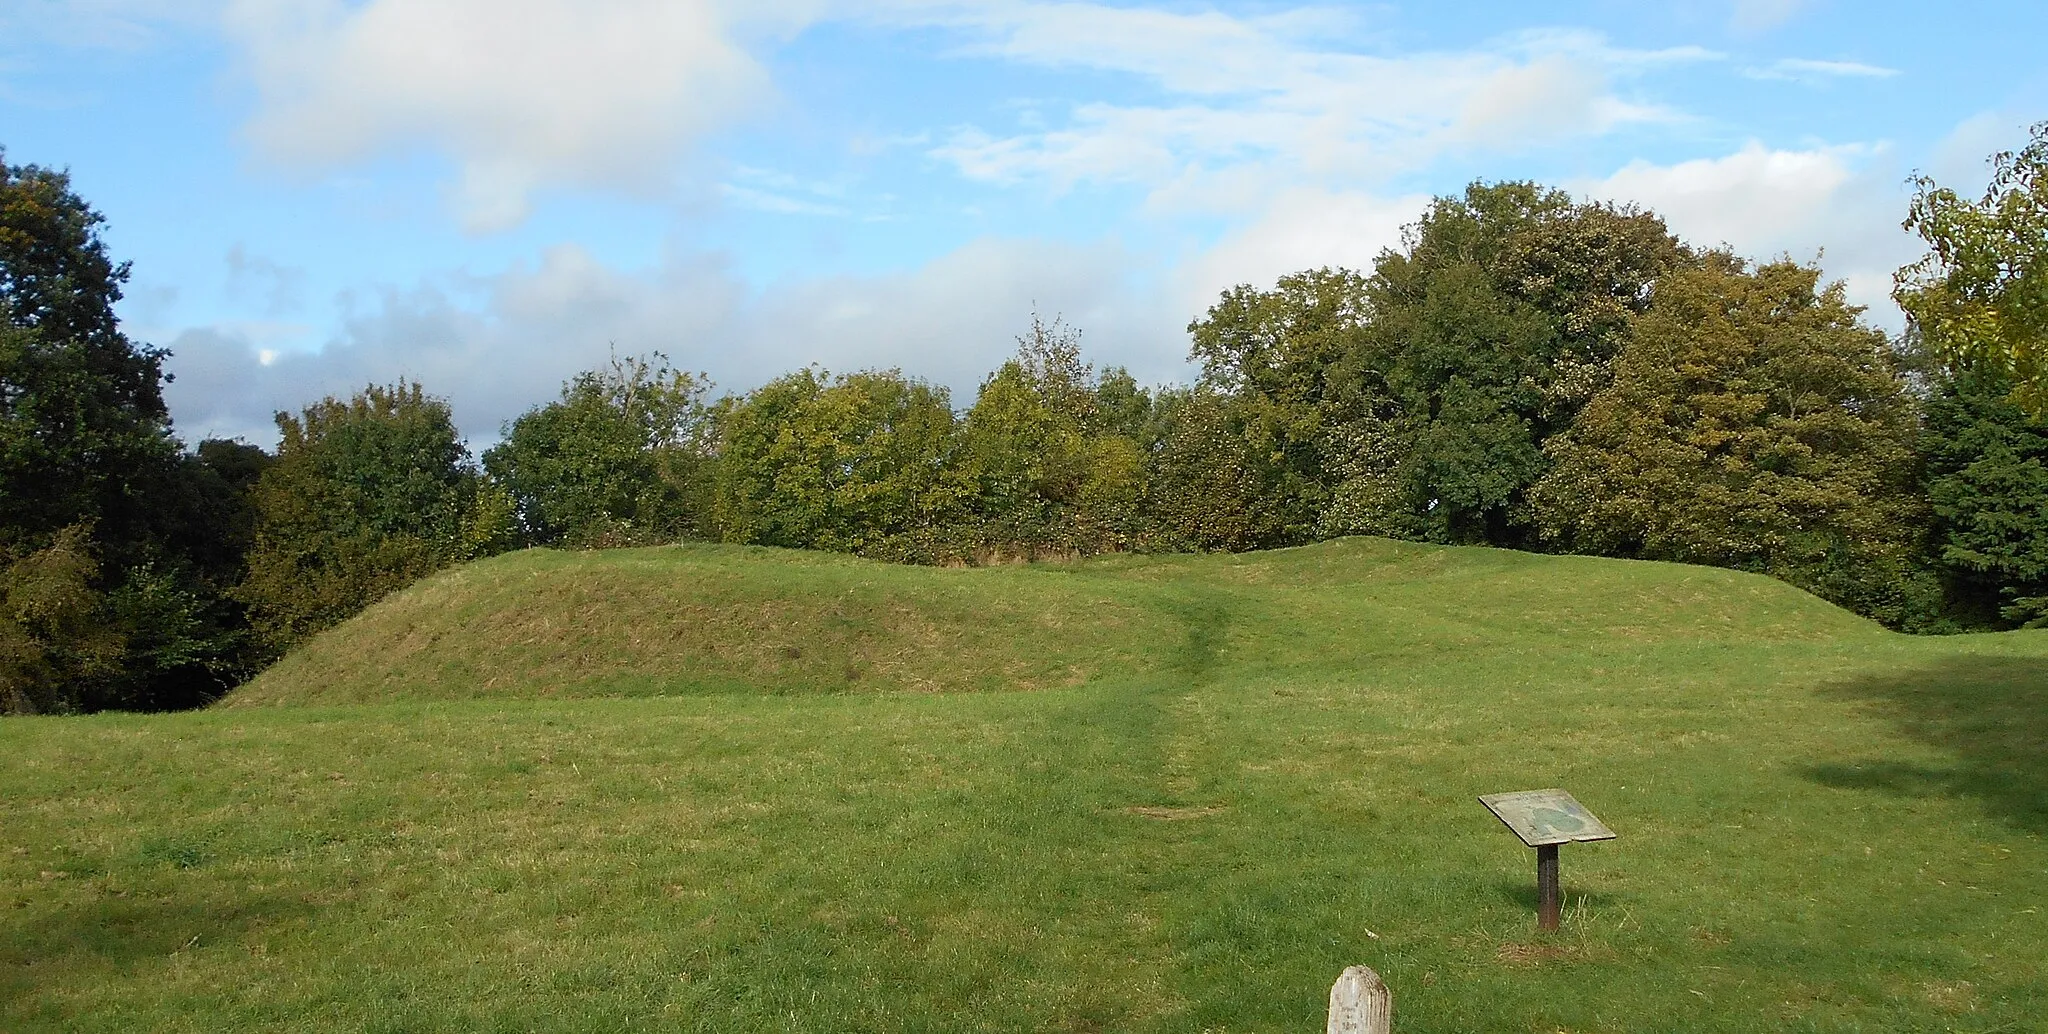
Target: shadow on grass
point(1989, 713)
point(1208, 624)
point(84, 939)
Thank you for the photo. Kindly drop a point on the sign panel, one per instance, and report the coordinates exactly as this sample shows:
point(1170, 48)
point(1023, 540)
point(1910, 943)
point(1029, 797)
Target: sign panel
point(1543, 817)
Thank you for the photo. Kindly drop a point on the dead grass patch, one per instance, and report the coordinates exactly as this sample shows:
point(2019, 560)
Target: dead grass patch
point(1166, 814)
point(1951, 995)
point(1530, 955)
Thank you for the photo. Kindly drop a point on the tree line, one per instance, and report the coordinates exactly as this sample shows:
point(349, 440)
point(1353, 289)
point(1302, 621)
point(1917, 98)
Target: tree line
point(1526, 370)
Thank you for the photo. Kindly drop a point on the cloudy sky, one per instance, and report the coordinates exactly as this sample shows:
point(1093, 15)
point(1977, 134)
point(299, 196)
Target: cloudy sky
point(490, 195)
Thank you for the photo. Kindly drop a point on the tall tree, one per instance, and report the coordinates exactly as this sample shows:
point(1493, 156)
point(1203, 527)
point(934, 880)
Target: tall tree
point(366, 496)
point(1498, 321)
point(92, 482)
point(1987, 481)
point(1414, 401)
point(84, 419)
point(1276, 387)
point(1753, 422)
point(1979, 296)
point(619, 459)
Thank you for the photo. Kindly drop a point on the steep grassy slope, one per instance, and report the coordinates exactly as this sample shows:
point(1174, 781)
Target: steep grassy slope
point(699, 618)
point(1224, 779)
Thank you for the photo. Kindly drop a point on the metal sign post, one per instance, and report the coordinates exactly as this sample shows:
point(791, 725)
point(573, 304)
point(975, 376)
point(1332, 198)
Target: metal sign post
point(1545, 819)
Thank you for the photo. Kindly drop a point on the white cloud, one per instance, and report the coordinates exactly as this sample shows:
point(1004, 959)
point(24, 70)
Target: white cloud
point(520, 94)
point(522, 333)
point(1550, 98)
point(1301, 229)
point(1841, 205)
point(1804, 70)
point(1261, 95)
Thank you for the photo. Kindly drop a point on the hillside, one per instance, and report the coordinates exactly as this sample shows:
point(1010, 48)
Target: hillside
point(706, 618)
point(716, 789)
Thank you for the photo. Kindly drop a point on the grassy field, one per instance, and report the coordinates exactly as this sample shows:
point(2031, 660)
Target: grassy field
point(708, 788)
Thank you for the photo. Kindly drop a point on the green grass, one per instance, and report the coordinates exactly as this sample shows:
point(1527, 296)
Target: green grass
point(744, 790)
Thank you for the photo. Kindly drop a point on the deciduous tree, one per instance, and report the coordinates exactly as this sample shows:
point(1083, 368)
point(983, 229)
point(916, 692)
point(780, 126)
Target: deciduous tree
point(1046, 450)
point(1979, 297)
point(93, 483)
point(1488, 332)
point(1753, 422)
point(366, 496)
point(857, 463)
point(619, 459)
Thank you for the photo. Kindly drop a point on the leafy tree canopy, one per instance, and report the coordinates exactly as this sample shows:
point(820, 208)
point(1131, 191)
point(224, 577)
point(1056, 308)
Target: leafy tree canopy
point(99, 508)
point(1753, 422)
point(1489, 332)
point(1980, 294)
point(366, 495)
point(857, 463)
point(1048, 448)
point(82, 415)
point(1414, 401)
point(617, 459)
point(1987, 481)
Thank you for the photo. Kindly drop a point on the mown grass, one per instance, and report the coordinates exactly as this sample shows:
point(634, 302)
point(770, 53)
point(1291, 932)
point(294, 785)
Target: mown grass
point(1229, 778)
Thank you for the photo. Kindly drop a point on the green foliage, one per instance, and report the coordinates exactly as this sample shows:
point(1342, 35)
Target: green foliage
point(84, 418)
point(56, 278)
point(1487, 334)
point(1047, 450)
point(858, 463)
point(619, 459)
point(1753, 422)
point(365, 497)
point(53, 638)
point(1987, 481)
point(86, 450)
point(1414, 402)
point(1218, 474)
point(1247, 461)
point(1980, 294)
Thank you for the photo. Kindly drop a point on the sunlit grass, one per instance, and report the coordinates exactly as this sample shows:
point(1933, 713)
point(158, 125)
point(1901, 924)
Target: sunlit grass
point(1261, 771)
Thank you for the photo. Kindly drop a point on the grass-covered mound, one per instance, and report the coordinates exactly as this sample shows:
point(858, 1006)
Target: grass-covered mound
point(1230, 780)
point(698, 618)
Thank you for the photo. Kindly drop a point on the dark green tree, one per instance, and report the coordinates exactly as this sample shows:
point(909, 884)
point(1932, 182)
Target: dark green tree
point(84, 419)
point(619, 459)
point(366, 496)
point(92, 482)
point(1414, 402)
point(1487, 334)
point(1987, 481)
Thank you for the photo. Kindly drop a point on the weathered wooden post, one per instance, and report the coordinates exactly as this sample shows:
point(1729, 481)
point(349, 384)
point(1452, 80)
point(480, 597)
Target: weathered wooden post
point(1549, 903)
point(1360, 1004)
point(1546, 819)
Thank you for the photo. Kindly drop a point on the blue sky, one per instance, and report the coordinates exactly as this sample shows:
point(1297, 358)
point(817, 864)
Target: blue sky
point(490, 195)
